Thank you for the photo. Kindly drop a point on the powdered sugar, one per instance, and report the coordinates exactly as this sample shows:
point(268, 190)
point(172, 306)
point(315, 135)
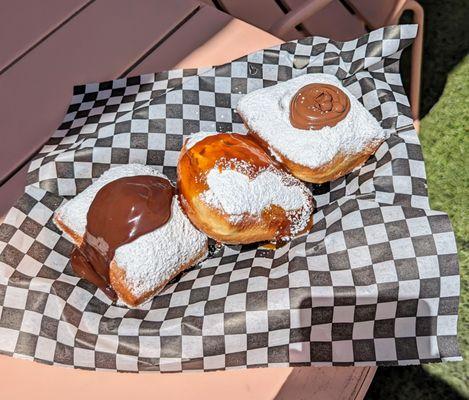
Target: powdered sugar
point(235, 193)
point(152, 258)
point(267, 112)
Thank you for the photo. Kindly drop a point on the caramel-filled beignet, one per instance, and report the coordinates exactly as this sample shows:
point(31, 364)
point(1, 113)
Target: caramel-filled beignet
point(232, 190)
point(312, 125)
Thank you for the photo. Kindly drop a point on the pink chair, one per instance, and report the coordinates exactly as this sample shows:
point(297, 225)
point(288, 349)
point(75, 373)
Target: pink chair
point(340, 20)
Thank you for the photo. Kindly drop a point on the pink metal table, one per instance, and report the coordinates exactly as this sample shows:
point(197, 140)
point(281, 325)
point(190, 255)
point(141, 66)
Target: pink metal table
point(48, 47)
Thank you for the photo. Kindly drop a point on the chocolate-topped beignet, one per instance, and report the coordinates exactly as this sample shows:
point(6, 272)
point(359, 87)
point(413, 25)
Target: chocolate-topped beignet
point(130, 233)
point(312, 125)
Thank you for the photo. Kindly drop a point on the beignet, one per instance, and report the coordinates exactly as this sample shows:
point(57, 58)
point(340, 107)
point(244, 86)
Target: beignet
point(312, 125)
point(232, 190)
point(133, 210)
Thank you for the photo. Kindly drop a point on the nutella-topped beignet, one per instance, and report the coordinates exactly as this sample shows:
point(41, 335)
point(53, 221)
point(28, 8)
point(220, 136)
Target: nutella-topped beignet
point(312, 125)
point(232, 190)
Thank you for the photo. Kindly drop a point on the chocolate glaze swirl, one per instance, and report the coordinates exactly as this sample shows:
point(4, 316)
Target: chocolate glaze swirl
point(317, 105)
point(122, 211)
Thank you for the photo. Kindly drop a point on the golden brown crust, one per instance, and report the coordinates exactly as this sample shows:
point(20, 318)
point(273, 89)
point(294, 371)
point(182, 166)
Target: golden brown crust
point(339, 166)
point(117, 274)
point(77, 238)
point(193, 165)
point(118, 281)
point(217, 225)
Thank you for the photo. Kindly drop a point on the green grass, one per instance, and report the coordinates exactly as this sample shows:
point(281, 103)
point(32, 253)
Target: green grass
point(444, 135)
point(445, 142)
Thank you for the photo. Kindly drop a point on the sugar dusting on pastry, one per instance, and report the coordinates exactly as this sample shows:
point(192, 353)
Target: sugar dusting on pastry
point(234, 192)
point(155, 257)
point(267, 112)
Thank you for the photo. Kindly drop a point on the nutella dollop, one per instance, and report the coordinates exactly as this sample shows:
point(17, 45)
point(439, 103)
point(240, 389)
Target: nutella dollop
point(317, 105)
point(121, 211)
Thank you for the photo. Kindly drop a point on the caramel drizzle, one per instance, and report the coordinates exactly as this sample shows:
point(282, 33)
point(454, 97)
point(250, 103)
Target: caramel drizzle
point(225, 150)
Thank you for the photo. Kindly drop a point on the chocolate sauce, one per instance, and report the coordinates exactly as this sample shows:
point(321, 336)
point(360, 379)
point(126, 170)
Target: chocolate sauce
point(121, 211)
point(318, 105)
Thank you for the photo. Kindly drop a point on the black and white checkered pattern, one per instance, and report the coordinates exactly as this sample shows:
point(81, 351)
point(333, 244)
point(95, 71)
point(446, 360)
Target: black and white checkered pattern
point(375, 282)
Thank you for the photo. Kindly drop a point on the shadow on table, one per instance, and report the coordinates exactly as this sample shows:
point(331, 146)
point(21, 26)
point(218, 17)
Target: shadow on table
point(412, 382)
point(446, 42)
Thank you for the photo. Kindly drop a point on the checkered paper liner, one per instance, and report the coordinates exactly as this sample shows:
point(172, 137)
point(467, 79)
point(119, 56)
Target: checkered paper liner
point(375, 282)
